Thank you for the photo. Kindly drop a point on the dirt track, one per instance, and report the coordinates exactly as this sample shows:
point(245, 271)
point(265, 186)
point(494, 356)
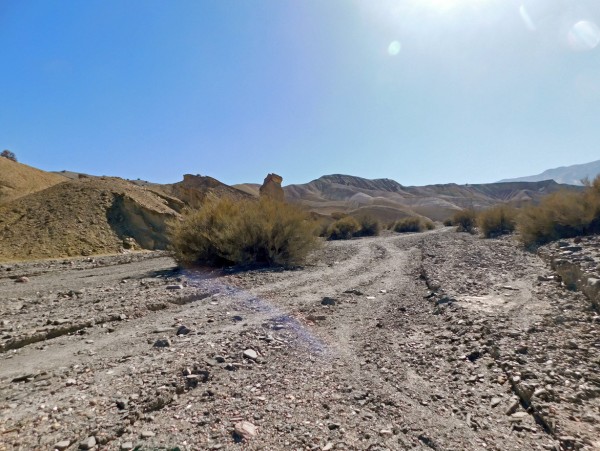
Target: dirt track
point(394, 342)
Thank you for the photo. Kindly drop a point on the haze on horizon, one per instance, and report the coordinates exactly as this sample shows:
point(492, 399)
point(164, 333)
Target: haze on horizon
point(419, 91)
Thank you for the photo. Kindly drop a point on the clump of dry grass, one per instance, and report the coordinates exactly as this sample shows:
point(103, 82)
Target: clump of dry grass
point(246, 232)
point(412, 224)
point(343, 229)
point(369, 226)
point(497, 220)
point(346, 227)
point(561, 215)
point(465, 220)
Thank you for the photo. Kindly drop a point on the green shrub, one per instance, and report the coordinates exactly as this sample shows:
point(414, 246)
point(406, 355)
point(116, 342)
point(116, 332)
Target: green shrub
point(497, 220)
point(465, 220)
point(413, 224)
point(343, 229)
point(248, 232)
point(561, 215)
point(369, 226)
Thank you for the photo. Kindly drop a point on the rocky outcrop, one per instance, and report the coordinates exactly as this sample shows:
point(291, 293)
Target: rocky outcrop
point(131, 220)
point(576, 261)
point(194, 190)
point(271, 187)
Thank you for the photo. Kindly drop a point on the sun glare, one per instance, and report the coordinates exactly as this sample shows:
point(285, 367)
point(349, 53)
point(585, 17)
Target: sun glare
point(446, 5)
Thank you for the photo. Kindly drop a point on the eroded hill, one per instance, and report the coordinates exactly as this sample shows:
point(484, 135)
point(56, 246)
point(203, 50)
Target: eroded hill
point(83, 217)
point(389, 199)
point(18, 180)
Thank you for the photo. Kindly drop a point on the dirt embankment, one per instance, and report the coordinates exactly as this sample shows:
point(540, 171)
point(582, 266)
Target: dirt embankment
point(84, 217)
point(352, 352)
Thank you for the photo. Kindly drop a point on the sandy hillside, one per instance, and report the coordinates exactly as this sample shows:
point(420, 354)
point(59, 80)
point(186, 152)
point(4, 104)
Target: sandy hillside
point(18, 180)
point(83, 217)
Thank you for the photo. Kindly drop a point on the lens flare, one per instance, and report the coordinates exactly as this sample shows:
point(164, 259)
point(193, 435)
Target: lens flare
point(584, 35)
point(277, 317)
point(394, 48)
point(526, 18)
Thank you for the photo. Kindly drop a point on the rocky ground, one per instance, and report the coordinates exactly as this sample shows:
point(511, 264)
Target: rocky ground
point(437, 341)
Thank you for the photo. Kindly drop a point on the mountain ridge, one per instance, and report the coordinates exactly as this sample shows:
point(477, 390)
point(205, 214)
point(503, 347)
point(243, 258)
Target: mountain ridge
point(569, 175)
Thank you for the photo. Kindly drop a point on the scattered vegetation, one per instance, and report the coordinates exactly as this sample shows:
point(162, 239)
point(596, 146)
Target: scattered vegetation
point(369, 226)
point(247, 232)
point(561, 215)
point(346, 227)
point(448, 222)
point(465, 220)
point(8, 154)
point(497, 220)
point(343, 229)
point(413, 224)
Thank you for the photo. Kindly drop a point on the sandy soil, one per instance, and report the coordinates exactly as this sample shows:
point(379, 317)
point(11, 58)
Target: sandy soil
point(428, 341)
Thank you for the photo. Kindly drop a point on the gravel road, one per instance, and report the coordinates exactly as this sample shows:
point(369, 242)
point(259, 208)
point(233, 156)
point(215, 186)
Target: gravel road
point(425, 341)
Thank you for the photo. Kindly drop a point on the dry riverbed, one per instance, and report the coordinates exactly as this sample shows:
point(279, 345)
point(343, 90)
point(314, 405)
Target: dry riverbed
point(437, 341)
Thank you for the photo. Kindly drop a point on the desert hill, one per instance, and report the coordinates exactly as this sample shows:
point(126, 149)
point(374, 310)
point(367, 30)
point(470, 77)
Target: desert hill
point(83, 217)
point(49, 215)
point(195, 189)
point(571, 175)
point(18, 180)
point(389, 199)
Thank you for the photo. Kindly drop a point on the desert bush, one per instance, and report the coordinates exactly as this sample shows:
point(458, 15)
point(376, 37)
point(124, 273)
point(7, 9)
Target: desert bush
point(561, 215)
point(413, 224)
point(448, 222)
point(465, 220)
point(343, 229)
point(248, 232)
point(497, 220)
point(8, 154)
point(369, 226)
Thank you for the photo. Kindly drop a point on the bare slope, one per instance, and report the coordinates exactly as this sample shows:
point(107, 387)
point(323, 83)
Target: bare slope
point(250, 188)
point(18, 180)
point(83, 217)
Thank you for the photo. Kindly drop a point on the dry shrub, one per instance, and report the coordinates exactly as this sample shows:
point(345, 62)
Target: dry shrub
point(465, 220)
point(448, 222)
point(413, 224)
point(369, 226)
point(561, 215)
point(8, 154)
point(343, 229)
point(247, 232)
point(497, 220)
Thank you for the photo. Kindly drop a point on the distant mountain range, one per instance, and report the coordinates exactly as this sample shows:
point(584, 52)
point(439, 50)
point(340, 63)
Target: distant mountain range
point(569, 175)
point(389, 200)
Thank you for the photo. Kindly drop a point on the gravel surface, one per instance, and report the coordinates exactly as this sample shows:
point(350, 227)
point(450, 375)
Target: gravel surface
point(428, 341)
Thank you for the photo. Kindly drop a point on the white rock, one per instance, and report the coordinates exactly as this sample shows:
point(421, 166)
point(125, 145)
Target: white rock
point(245, 429)
point(250, 354)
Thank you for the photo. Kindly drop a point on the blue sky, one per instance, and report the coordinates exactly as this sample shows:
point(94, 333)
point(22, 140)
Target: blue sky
point(420, 91)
